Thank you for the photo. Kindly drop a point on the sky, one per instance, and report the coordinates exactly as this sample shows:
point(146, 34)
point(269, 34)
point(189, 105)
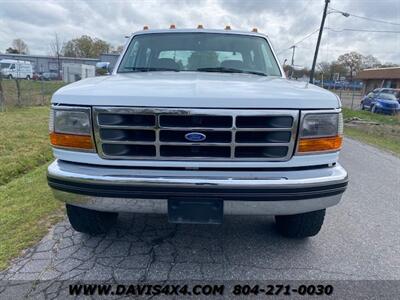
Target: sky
point(286, 22)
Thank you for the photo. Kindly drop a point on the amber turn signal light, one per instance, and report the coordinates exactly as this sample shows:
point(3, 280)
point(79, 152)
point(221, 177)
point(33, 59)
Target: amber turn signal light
point(320, 144)
point(71, 141)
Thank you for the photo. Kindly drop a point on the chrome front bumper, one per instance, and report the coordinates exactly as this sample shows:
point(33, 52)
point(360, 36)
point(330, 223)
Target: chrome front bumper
point(140, 190)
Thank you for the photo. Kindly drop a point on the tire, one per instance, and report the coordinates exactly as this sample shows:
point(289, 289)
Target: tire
point(90, 221)
point(373, 110)
point(10, 76)
point(300, 225)
point(28, 77)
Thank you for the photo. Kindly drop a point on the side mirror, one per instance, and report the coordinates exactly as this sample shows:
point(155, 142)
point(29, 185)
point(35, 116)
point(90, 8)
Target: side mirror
point(103, 68)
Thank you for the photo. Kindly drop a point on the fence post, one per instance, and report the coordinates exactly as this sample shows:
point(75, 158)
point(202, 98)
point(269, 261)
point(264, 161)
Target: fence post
point(41, 90)
point(352, 98)
point(2, 98)
point(19, 102)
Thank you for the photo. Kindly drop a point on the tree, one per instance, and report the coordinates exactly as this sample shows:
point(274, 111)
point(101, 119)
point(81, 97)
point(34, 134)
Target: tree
point(11, 50)
point(352, 61)
point(85, 46)
point(55, 50)
point(20, 46)
point(370, 61)
point(118, 49)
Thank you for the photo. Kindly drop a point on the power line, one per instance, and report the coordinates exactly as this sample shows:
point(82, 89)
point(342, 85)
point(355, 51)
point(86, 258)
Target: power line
point(362, 30)
point(366, 18)
point(300, 41)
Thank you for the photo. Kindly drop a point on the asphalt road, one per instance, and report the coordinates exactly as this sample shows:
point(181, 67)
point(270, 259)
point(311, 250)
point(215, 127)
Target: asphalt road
point(359, 240)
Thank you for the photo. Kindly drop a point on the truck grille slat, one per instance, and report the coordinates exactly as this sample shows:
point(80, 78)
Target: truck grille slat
point(195, 134)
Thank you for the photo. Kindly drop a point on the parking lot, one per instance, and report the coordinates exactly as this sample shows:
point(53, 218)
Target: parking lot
point(359, 240)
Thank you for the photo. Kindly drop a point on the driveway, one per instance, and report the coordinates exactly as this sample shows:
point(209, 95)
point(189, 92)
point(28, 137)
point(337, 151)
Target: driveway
point(359, 240)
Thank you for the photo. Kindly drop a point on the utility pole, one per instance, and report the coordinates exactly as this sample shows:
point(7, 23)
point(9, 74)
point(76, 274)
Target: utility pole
point(318, 41)
point(292, 63)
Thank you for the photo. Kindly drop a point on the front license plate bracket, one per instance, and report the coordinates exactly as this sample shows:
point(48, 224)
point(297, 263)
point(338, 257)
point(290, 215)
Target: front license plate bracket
point(195, 210)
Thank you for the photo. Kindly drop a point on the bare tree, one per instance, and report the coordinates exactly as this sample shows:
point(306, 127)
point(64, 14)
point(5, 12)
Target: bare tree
point(20, 46)
point(370, 61)
point(55, 49)
point(352, 60)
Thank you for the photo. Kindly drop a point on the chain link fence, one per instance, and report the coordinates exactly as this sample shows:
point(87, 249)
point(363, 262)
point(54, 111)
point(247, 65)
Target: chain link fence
point(22, 92)
point(350, 96)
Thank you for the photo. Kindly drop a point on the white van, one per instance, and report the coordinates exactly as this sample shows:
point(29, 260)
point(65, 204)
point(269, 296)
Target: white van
point(16, 69)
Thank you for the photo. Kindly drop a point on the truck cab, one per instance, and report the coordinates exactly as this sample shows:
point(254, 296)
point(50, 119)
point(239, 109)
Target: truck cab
point(197, 122)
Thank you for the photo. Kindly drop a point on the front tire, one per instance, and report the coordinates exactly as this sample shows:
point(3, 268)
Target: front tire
point(374, 110)
point(90, 221)
point(10, 76)
point(300, 225)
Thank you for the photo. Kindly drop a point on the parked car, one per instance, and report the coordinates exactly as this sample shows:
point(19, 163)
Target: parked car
point(11, 68)
point(36, 75)
point(380, 101)
point(395, 92)
point(50, 76)
point(193, 120)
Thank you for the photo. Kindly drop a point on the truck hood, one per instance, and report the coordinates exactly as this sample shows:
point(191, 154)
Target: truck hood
point(196, 90)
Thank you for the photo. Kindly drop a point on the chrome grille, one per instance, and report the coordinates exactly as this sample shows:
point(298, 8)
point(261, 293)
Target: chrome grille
point(229, 134)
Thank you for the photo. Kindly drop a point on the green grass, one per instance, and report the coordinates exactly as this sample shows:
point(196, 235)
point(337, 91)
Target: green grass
point(27, 210)
point(32, 92)
point(24, 141)
point(369, 116)
point(382, 142)
point(386, 135)
point(27, 206)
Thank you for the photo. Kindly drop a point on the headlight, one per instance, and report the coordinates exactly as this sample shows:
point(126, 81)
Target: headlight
point(320, 132)
point(70, 127)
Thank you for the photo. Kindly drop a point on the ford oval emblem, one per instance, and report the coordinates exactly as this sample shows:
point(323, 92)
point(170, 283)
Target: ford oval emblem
point(195, 137)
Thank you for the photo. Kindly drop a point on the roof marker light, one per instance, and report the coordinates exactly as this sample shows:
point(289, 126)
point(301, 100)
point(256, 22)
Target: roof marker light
point(227, 27)
point(200, 26)
point(145, 27)
point(172, 26)
point(254, 30)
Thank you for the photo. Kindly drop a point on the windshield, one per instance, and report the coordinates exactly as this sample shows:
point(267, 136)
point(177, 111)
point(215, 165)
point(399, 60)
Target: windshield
point(202, 52)
point(387, 96)
point(4, 65)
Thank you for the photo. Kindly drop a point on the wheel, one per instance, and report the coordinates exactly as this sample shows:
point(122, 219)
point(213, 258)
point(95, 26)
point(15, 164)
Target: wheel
point(28, 77)
point(90, 221)
point(362, 106)
point(374, 110)
point(300, 225)
point(10, 76)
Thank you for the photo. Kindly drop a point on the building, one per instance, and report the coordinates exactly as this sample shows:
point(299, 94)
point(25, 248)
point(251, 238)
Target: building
point(46, 63)
point(75, 72)
point(380, 78)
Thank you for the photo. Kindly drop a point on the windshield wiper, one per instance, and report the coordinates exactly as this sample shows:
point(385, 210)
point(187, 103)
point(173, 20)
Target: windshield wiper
point(229, 70)
point(150, 69)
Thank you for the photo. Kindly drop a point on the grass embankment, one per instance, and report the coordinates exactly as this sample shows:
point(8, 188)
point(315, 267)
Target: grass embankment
point(27, 206)
point(379, 130)
point(24, 141)
point(32, 92)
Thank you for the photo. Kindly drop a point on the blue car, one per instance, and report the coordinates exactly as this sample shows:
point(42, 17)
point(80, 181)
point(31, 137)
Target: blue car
point(379, 101)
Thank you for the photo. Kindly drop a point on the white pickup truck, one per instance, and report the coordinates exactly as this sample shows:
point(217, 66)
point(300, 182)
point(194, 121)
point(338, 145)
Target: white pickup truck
point(197, 121)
